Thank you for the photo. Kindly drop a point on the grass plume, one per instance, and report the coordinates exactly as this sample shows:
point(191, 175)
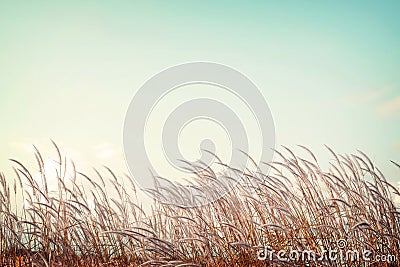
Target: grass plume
point(297, 206)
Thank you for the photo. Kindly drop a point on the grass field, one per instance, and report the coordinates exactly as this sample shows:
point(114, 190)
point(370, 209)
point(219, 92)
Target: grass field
point(297, 207)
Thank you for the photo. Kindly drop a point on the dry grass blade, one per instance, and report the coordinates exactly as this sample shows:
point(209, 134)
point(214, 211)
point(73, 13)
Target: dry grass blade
point(98, 221)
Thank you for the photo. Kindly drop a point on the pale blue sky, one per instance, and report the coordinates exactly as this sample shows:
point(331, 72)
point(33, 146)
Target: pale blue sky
point(329, 70)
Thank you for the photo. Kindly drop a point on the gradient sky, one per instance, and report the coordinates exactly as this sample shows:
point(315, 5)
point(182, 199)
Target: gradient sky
point(330, 71)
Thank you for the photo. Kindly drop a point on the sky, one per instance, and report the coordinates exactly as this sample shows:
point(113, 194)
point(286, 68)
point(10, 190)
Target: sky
point(330, 71)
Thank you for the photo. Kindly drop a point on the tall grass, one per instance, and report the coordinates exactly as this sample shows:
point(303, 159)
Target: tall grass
point(297, 206)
